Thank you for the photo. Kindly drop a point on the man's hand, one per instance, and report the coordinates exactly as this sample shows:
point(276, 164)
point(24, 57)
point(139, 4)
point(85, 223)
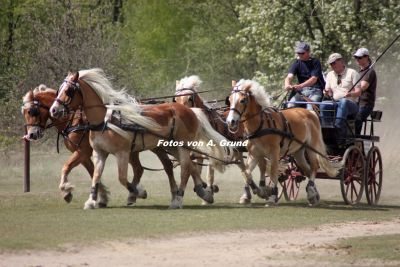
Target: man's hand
point(328, 92)
point(289, 87)
point(297, 87)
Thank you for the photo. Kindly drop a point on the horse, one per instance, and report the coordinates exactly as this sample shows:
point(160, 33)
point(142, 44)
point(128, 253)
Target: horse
point(120, 126)
point(35, 110)
point(186, 93)
point(275, 134)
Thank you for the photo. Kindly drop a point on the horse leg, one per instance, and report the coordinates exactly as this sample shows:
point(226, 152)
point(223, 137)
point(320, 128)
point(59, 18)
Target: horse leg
point(274, 172)
point(251, 164)
point(246, 197)
point(183, 157)
point(311, 189)
point(65, 187)
point(137, 175)
point(103, 191)
point(210, 187)
point(99, 158)
point(169, 169)
point(123, 158)
point(301, 162)
point(262, 192)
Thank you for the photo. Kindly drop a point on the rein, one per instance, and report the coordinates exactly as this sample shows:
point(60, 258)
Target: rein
point(273, 130)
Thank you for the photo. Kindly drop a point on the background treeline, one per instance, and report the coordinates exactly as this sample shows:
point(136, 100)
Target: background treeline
point(145, 45)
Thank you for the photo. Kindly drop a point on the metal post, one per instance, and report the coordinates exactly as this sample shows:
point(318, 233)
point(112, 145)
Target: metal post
point(27, 180)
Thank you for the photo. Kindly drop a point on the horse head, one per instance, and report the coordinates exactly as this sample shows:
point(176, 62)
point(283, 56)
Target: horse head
point(186, 91)
point(247, 96)
point(35, 109)
point(69, 97)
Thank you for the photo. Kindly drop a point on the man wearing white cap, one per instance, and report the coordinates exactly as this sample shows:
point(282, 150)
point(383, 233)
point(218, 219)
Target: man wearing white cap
point(309, 76)
point(368, 87)
point(339, 81)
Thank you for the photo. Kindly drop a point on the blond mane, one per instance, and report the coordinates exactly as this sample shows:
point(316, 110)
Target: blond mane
point(192, 82)
point(116, 100)
point(257, 90)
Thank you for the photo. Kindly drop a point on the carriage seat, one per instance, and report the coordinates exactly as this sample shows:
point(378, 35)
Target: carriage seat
point(376, 115)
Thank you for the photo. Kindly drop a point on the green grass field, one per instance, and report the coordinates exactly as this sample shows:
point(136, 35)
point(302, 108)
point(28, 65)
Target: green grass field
point(42, 220)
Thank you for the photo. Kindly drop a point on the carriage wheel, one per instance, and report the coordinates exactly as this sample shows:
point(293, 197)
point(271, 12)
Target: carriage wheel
point(291, 184)
point(373, 177)
point(352, 179)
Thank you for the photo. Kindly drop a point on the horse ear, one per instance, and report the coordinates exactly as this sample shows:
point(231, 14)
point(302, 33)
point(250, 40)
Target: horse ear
point(75, 76)
point(234, 83)
point(30, 93)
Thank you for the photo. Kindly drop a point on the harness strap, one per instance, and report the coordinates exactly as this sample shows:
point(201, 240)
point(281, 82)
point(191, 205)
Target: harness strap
point(286, 128)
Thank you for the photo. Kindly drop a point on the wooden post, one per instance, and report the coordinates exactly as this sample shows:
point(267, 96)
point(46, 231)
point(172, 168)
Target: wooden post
point(27, 179)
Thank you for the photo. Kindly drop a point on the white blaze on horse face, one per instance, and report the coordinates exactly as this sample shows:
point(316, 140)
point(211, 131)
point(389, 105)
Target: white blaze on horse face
point(57, 110)
point(233, 116)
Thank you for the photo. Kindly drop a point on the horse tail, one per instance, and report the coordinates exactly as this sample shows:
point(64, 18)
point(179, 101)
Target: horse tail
point(131, 114)
point(207, 134)
point(332, 169)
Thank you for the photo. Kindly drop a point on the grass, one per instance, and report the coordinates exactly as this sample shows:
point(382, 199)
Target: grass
point(385, 247)
point(42, 220)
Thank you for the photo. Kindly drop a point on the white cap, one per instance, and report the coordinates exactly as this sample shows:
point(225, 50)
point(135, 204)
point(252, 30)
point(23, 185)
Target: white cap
point(361, 52)
point(333, 57)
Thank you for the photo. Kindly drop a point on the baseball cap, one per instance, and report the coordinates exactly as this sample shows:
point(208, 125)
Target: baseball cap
point(302, 47)
point(333, 57)
point(361, 52)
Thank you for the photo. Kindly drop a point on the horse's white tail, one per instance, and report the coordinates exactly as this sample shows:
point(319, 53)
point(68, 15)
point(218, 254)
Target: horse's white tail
point(332, 169)
point(131, 113)
point(206, 134)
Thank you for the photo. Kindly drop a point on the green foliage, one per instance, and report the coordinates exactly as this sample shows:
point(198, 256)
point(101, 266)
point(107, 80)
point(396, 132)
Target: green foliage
point(162, 41)
point(270, 31)
point(148, 44)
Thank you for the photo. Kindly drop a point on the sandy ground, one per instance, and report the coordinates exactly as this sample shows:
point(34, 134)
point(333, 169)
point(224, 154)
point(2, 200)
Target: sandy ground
point(305, 247)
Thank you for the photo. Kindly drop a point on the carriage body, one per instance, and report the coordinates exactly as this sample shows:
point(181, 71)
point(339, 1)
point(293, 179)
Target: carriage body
point(362, 161)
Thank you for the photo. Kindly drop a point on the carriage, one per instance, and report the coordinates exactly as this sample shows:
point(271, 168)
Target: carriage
point(362, 169)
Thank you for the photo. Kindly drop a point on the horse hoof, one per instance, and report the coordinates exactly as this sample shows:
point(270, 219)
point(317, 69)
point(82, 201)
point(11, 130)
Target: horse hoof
point(68, 197)
point(89, 204)
point(272, 201)
point(142, 194)
point(262, 192)
point(215, 188)
point(102, 205)
point(244, 200)
point(205, 203)
point(131, 201)
point(176, 203)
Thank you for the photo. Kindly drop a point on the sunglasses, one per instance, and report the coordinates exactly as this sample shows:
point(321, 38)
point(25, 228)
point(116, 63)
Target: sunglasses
point(357, 58)
point(300, 53)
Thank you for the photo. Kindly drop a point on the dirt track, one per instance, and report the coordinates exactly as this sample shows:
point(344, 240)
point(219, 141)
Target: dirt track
point(306, 247)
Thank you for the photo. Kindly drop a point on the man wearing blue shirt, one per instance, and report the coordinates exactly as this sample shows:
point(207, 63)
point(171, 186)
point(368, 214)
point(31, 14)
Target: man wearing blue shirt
point(309, 76)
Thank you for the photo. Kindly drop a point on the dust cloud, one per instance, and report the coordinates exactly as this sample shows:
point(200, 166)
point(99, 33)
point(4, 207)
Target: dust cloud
point(388, 98)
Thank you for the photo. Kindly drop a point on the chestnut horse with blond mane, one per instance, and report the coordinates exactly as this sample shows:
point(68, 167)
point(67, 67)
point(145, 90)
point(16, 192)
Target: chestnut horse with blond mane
point(186, 93)
point(274, 134)
point(35, 109)
point(135, 128)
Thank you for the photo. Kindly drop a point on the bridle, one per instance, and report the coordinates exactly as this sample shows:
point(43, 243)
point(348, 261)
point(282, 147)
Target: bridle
point(244, 101)
point(69, 92)
point(191, 97)
point(34, 111)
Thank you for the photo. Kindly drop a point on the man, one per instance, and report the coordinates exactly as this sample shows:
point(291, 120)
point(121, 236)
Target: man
point(367, 85)
point(309, 76)
point(341, 87)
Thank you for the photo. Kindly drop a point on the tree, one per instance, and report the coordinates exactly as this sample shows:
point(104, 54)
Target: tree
point(270, 30)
